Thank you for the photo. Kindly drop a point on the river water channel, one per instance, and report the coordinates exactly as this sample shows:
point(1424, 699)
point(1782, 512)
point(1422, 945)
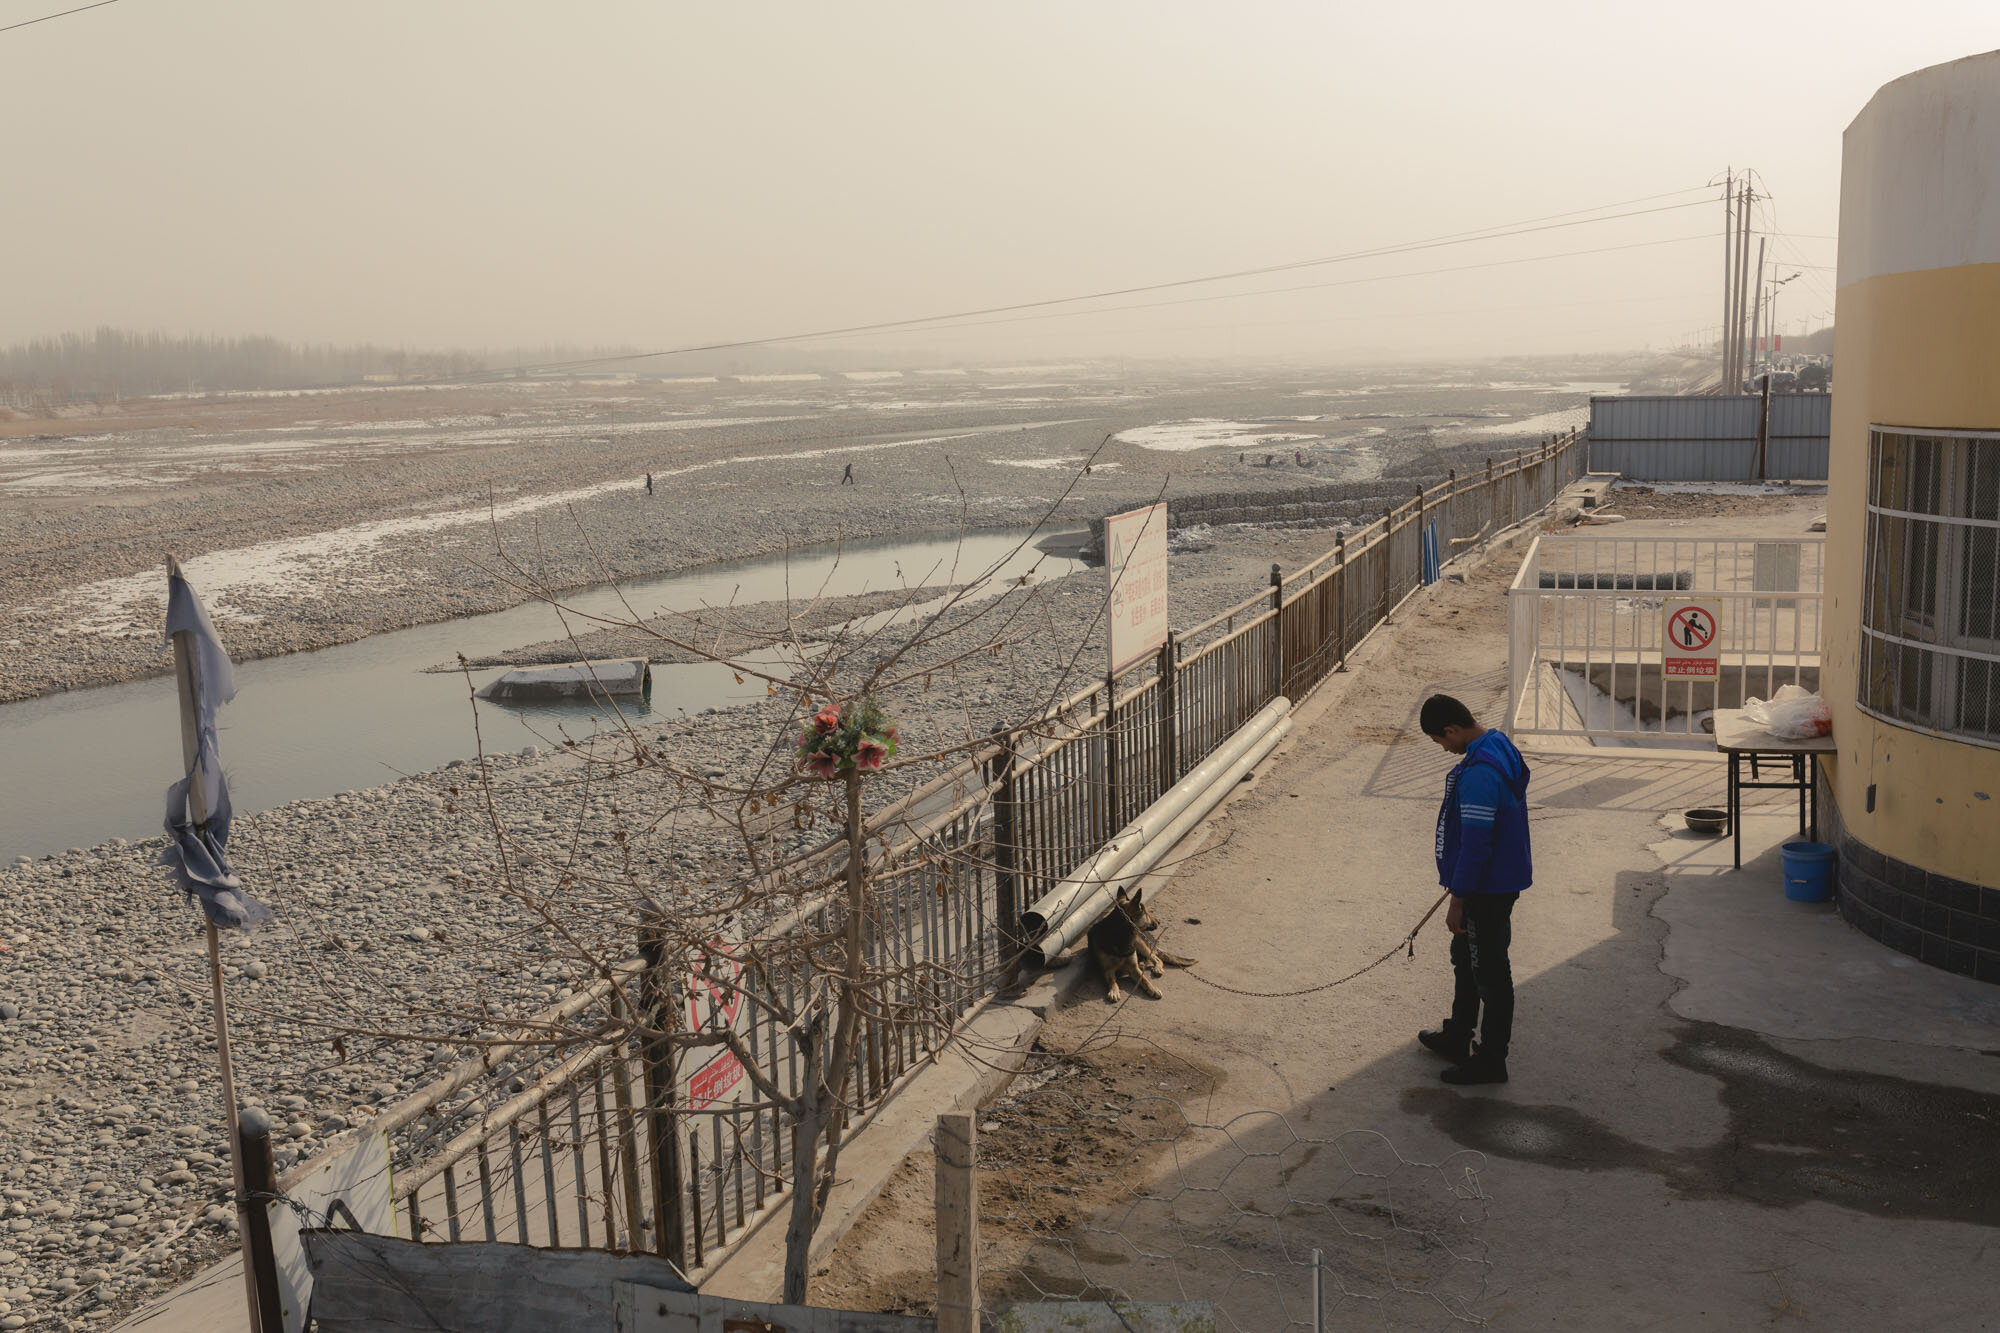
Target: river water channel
point(90, 765)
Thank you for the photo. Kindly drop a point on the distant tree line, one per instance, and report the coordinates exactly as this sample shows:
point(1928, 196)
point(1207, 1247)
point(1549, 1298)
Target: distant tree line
point(118, 363)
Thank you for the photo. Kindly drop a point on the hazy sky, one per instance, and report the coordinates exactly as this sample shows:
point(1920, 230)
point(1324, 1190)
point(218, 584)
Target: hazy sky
point(492, 172)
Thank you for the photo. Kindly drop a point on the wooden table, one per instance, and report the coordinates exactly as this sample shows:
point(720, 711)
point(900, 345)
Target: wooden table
point(1738, 737)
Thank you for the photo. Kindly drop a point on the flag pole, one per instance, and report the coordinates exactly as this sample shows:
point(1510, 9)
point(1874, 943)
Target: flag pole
point(187, 675)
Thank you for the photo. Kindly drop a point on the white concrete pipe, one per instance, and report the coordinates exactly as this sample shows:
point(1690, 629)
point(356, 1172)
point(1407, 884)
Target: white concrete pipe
point(1052, 907)
point(1092, 898)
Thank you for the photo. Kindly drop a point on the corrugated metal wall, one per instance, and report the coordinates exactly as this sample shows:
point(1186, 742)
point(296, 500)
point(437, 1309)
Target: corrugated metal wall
point(1710, 438)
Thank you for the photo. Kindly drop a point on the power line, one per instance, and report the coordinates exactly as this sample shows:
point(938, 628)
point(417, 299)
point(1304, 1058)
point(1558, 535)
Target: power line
point(29, 23)
point(1299, 287)
point(1500, 231)
point(1816, 283)
point(1373, 318)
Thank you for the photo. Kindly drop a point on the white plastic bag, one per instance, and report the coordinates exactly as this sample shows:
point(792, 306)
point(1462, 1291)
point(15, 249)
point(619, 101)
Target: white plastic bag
point(1792, 714)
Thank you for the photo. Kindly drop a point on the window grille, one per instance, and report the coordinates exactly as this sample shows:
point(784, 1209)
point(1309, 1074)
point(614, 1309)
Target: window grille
point(1930, 642)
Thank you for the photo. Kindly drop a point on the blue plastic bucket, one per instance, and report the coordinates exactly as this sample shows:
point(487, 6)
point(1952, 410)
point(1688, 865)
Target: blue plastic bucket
point(1808, 871)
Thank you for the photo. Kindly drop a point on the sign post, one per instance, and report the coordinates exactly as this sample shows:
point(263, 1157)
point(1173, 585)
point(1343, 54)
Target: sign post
point(1691, 648)
point(1135, 557)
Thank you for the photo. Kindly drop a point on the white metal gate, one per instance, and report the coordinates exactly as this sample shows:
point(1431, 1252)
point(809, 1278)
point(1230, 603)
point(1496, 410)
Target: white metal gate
point(1585, 619)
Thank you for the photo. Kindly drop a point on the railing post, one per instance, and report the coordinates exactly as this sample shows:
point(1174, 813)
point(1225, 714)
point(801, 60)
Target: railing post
point(260, 1187)
point(1006, 880)
point(1388, 563)
point(1170, 769)
point(1340, 595)
point(1277, 631)
point(1492, 501)
point(662, 1091)
point(628, 1145)
point(1113, 803)
point(694, 1182)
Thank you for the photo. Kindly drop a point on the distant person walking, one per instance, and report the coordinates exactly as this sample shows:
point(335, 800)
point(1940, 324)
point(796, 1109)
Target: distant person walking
point(649, 483)
point(1484, 860)
point(847, 475)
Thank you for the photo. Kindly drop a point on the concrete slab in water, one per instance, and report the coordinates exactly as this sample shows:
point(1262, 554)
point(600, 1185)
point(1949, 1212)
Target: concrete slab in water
point(614, 678)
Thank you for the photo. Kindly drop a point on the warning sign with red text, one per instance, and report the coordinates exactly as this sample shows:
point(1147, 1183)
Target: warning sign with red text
point(1692, 644)
point(1135, 555)
point(713, 1076)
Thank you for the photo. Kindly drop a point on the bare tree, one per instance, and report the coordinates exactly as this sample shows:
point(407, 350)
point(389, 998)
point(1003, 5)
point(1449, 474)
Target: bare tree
point(746, 855)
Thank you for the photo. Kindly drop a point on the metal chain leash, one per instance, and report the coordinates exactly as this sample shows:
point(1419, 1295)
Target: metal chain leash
point(1408, 941)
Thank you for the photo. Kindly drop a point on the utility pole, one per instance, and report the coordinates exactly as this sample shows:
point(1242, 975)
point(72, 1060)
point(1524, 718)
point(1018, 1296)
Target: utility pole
point(1736, 369)
point(1757, 308)
point(1776, 283)
point(1728, 275)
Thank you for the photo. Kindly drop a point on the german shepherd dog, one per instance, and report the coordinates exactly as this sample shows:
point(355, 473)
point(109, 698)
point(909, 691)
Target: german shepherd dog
point(1118, 942)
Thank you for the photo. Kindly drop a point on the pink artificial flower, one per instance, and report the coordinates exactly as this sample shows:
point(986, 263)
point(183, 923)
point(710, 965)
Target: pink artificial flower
point(827, 718)
point(823, 765)
point(870, 753)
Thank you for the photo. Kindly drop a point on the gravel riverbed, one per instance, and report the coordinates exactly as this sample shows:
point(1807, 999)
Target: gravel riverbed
point(315, 521)
point(391, 916)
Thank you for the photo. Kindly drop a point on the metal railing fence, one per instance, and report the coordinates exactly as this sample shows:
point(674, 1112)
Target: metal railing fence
point(1586, 625)
point(596, 1151)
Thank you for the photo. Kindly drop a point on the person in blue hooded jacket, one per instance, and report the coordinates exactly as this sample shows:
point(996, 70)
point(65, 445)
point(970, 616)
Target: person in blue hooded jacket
point(1484, 860)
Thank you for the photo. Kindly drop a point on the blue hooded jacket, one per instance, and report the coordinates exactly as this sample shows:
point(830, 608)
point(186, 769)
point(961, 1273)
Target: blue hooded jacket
point(1482, 828)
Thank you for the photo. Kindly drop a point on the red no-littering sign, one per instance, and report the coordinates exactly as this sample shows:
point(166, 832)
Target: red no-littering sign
point(1691, 647)
point(712, 1076)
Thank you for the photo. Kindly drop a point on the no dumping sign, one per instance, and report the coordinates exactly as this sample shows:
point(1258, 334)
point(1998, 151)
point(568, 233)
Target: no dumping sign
point(1692, 645)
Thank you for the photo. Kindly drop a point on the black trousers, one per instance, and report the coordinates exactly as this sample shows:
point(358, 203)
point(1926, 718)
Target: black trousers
point(1482, 996)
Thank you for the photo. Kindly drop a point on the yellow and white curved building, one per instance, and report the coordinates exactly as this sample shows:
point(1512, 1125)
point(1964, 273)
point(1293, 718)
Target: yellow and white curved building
point(1912, 631)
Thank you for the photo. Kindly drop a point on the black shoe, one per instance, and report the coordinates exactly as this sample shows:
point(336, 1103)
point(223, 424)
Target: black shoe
point(1447, 1043)
point(1478, 1069)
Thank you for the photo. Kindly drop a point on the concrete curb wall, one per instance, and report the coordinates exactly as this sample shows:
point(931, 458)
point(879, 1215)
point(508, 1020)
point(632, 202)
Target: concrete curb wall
point(1300, 504)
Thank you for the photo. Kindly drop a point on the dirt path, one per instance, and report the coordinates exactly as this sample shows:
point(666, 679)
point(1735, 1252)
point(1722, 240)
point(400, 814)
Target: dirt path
point(1053, 1119)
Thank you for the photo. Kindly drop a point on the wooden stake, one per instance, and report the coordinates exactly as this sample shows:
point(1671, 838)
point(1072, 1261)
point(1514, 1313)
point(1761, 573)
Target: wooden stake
point(957, 1225)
